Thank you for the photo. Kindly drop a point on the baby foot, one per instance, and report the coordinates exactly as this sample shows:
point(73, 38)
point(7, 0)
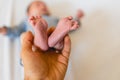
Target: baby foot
point(64, 26)
point(60, 45)
point(40, 27)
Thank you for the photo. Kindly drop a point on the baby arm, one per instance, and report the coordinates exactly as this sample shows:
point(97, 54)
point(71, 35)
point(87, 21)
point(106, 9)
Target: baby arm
point(13, 32)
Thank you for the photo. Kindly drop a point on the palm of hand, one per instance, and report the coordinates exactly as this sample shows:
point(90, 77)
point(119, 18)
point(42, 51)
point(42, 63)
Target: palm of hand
point(44, 65)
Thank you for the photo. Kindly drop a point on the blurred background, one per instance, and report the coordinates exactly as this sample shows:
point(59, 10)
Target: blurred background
point(95, 46)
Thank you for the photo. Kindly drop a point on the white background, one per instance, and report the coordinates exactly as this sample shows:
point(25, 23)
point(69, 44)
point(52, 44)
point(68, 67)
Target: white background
point(95, 46)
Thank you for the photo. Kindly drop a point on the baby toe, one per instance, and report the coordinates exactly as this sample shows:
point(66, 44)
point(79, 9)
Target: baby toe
point(36, 17)
point(70, 17)
point(32, 18)
point(74, 27)
point(32, 23)
point(39, 17)
point(76, 22)
point(67, 19)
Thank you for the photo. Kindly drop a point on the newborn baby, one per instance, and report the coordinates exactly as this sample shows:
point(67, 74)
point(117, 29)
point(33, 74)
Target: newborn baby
point(55, 40)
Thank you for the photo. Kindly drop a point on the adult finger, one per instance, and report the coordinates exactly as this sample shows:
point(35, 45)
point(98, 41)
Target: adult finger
point(67, 47)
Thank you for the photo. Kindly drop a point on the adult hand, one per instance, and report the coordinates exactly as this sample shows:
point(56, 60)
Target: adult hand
point(39, 65)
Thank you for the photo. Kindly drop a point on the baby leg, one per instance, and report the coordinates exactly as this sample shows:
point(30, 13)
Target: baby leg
point(59, 45)
point(40, 27)
point(64, 26)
